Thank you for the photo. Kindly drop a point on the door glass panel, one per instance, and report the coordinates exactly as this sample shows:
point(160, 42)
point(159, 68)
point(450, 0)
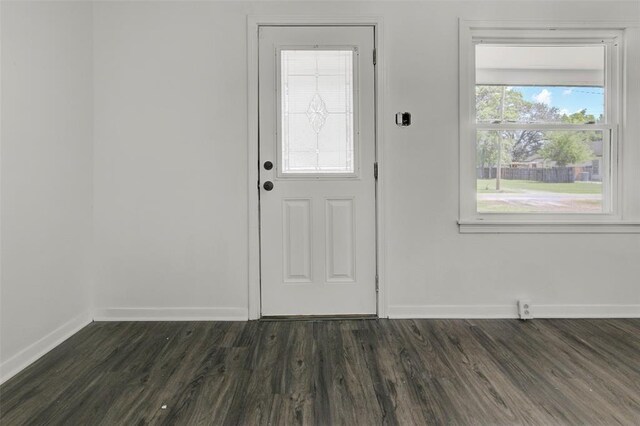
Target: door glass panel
point(316, 111)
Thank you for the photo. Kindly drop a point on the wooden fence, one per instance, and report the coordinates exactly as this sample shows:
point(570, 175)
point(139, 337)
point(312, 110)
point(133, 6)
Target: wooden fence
point(546, 174)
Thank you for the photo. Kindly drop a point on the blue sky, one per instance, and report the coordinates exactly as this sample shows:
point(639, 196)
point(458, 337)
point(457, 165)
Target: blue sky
point(567, 99)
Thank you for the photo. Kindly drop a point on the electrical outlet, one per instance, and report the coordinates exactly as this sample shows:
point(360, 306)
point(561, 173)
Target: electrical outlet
point(525, 309)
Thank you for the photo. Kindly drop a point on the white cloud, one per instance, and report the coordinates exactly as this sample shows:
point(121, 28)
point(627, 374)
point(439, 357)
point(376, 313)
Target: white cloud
point(564, 111)
point(566, 92)
point(543, 97)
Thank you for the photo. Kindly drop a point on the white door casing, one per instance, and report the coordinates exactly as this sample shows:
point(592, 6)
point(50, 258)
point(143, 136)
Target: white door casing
point(317, 128)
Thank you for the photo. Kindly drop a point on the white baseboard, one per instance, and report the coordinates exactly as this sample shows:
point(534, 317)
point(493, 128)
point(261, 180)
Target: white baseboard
point(171, 314)
point(453, 311)
point(510, 311)
point(33, 352)
point(587, 311)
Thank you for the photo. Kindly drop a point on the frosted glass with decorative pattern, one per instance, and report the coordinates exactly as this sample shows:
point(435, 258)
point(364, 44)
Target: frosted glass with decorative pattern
point(317, 111)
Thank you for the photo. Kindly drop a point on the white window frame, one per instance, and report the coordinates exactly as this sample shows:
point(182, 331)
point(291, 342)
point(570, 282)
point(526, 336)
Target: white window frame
point(611, 219)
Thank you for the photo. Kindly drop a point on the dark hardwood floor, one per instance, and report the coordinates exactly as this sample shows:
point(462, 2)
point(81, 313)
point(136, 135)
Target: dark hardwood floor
point(365, 372)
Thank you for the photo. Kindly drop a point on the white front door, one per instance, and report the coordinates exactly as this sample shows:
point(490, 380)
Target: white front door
point(317, 184)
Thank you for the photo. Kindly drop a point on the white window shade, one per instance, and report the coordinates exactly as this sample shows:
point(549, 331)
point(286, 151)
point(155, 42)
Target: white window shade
point(540, 65)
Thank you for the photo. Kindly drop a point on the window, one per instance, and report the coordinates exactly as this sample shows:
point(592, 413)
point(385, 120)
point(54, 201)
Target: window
point(539, 116)
point(317, 111)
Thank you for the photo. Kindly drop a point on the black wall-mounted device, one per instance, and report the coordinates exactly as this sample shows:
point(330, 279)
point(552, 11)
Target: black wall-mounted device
point(403, 119)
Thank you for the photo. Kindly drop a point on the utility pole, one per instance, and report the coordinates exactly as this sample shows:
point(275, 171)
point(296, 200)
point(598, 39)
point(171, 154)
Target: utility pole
point(499, 165)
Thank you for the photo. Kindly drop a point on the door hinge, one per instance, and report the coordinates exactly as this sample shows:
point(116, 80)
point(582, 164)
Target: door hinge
point(375, 170)
point(377, 284)
point(375, 56)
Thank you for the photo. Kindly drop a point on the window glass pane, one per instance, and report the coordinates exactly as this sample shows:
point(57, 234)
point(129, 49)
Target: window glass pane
point(539, 171)
point(317, 111)
point(538, 84)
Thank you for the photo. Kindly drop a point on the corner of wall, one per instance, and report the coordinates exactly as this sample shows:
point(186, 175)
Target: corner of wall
point(33, 352)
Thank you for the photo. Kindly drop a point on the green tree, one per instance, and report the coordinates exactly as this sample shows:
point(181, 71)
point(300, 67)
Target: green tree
point(520, 145)
point(488, 102)
point(579, 117)
point(488, 148)
point(523, 143)
point(567, 148)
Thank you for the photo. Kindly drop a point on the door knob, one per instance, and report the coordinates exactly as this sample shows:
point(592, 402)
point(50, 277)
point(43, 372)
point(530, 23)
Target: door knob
point(268, 165)
point(268, 185)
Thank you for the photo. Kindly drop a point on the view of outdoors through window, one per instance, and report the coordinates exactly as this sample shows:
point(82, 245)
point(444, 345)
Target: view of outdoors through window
point(556, 171)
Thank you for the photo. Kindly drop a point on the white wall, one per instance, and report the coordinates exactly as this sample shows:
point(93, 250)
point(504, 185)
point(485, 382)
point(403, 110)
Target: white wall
point(127, 123)
point(171, 176)
point(46, 177)
point(170, 141)
point(160, 88)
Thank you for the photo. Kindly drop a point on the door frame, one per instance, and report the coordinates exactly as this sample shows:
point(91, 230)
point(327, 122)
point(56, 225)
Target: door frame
point(254, 22)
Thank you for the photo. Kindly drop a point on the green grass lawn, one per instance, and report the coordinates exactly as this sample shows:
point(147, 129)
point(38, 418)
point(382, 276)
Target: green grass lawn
point(487, 186)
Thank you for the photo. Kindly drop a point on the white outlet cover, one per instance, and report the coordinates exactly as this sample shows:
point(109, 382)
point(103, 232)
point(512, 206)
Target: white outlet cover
point(525, 310)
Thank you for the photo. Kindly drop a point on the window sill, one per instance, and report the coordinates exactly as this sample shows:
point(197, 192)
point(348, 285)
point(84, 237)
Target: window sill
point(533, 227)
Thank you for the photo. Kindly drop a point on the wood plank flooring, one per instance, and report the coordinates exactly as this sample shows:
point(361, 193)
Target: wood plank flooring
point(359, 372)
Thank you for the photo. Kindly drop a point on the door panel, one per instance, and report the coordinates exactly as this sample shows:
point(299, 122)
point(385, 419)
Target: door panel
point(340, 244)
point(317, 204)
point(297, 240)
